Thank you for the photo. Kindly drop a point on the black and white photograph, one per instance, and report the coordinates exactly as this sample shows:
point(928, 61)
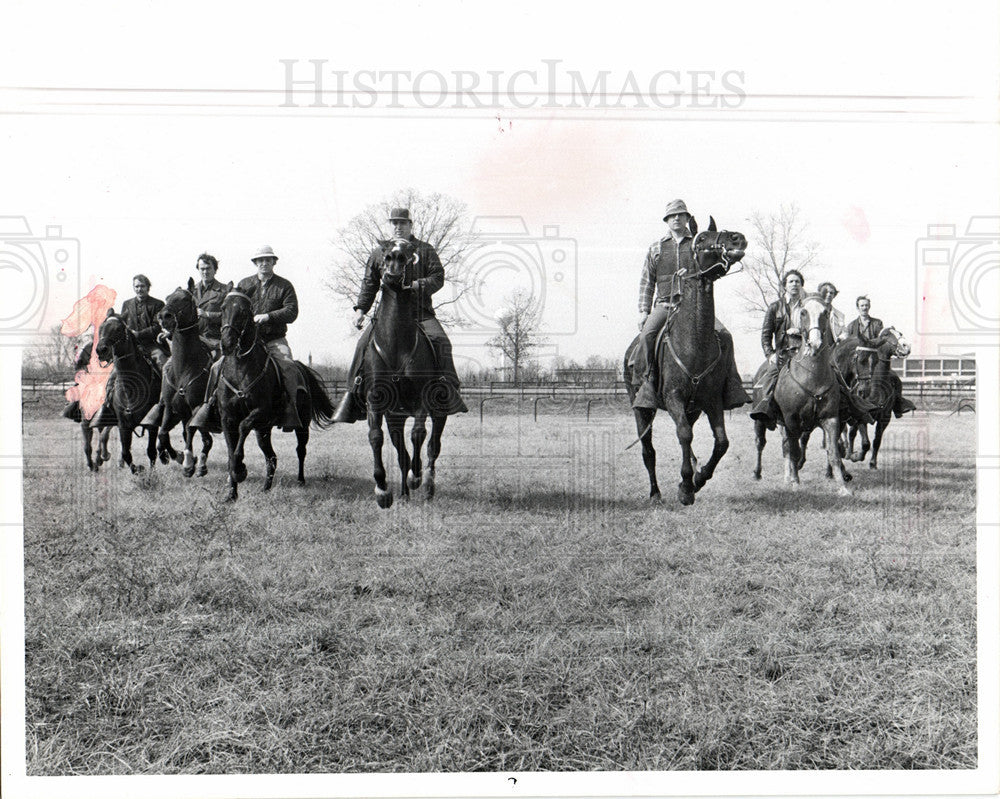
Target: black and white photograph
point(445, 400)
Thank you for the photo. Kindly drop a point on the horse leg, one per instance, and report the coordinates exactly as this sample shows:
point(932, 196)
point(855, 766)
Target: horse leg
point(685, 435)
point(103, 434)
point(433, 450)
point(790, 449)
point(301, 439)
point(832, 427)
point(152, 437)
point(163, 447)
point(865, 441)
point(125, 434)
point(395, 422)
point(87, 432)
point(270, 458)
point(880, 425)
point(232, 435)
point(803, 443)
point(644, 427)
point(717, 419)
point(383, 494)
point(760, 434)
point(206, 447)
point(417, 436)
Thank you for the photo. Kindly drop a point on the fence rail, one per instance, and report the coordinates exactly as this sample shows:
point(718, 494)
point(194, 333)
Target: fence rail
point(927, 394)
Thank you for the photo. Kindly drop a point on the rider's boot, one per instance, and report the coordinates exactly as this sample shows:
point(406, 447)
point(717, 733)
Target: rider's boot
point(153, 417)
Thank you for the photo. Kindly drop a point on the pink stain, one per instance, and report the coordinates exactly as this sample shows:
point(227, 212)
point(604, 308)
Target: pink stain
point(857, 224)
point(89, 311)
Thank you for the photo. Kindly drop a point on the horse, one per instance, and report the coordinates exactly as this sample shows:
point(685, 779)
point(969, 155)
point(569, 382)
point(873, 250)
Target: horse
point(185, 377)
point(402, 378)
point(691, 361)
point(869, 368)
point(808, 395)
point(137, 385)
point(251, 396)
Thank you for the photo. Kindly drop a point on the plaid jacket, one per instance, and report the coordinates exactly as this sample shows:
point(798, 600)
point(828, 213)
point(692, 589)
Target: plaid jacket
point(663, 260)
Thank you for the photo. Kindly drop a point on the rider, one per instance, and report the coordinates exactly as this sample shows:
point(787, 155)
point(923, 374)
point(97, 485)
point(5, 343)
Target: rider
point(865, 328)
point(829, 293)
point(208, 296)
point(275, 306)
point(776, 343)
point(428, 278)
point(665, 258)
point(140, 315)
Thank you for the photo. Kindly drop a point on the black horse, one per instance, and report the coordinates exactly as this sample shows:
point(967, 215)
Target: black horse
point(402, 378)
point(692, 362)
point(185, 377)
point(251, 396)
point(137, 385)
point(868, 369)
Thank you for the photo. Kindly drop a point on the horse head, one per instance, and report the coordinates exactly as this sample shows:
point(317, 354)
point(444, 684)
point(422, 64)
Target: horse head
point(238, 329)
point(179, 312)
point(812, 319)
point(892, 343)
point(399, 262)
point(715, 251)
point(113, 339)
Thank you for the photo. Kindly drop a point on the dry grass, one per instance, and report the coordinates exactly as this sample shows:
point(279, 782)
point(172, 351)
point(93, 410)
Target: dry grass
point(538, 615)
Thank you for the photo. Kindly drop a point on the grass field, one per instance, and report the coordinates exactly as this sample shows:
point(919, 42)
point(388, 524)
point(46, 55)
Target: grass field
point(537, 615)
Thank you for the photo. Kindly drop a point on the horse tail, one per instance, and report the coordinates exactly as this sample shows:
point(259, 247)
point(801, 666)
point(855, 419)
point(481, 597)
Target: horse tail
point(319, 400)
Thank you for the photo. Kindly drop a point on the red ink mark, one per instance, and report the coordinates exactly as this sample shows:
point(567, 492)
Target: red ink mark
point(857, 224)
point(89, 311)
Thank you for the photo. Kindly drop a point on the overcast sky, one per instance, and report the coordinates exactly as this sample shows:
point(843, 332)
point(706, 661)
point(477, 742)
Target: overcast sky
point(866, 127)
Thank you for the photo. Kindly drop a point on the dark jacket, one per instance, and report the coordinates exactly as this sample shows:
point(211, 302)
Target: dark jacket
point(774, 333)
point(874, 330)
point(142, 320)
point(663, 259)
point(277, 299)
point(209, 301)
point(427, 278)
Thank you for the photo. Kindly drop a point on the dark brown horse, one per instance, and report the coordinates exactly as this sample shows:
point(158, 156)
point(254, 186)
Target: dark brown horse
point(250, 395)
point(185, 377)
point(692, 364)
point(136, 388)
point(808, 395)
point(402, 378)
point(869, 370)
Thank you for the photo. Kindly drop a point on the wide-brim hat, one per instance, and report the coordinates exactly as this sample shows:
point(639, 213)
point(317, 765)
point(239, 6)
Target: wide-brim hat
point(264, 252)
point(675, 207)
point(400, 215)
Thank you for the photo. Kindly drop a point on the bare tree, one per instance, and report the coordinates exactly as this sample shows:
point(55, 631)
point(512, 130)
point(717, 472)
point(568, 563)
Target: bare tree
point(438, 219)
point(52, 355)
point(778, 242)
point(520, 322)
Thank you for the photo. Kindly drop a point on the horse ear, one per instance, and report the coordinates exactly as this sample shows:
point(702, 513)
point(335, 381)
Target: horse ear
point(711, 225)
point(111, 312)
point(229, 286)
point(693, 226)
point(191, 284)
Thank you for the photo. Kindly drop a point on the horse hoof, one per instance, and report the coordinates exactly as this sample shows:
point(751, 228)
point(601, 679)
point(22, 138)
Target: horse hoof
point(756, 475)
point(137, 469)
point(202, 471)
point(848, 476)
point(164, 457)
point(685, 495)
point(429, 488)
point(383, 498)
point(872, 465)
point(240, 472)
point(699, 481)
point(188, 471)
point(414, 481)
point(655, 498)
point(105, 456)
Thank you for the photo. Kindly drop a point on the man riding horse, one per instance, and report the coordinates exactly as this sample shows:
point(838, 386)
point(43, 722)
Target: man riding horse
point(780, 337)
point(208, 296)
point(428, 278)
point(666, 258)
point(139, 315)
point(275, 306)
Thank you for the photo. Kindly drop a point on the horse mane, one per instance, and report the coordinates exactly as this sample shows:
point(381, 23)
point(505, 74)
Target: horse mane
point(238, 294)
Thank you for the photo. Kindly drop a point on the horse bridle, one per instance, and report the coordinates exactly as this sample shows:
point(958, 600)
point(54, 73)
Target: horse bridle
point(243, 330)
